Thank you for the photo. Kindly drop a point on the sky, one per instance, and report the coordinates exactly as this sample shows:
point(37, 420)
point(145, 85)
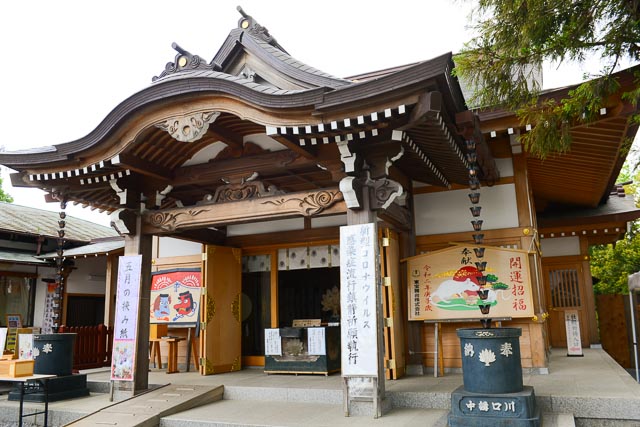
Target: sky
point(68, 63)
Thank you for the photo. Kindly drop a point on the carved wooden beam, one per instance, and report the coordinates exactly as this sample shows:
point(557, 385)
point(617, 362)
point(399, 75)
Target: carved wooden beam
point(309, 203)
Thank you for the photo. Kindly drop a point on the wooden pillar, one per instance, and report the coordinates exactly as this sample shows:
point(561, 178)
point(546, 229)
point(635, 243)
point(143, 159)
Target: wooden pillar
point(110, 289)
point(365, 215)
point(140, 244)
point(589, 297)
point(528, 241)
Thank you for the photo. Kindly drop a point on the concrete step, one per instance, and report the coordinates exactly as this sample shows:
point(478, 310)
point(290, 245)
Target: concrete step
point(558, 420)
point(262, 413)
point(147, 409)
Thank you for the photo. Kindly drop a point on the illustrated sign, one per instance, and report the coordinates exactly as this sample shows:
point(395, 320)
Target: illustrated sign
point(444, 284)
point(358, 281)
point(175, 296)
point(126, 321)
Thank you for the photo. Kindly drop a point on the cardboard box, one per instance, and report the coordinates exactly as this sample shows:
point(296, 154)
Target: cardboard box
point(158, 330)
point(16, 368)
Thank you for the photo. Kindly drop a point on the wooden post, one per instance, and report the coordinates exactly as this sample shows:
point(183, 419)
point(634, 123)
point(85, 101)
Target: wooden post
point(139, 244)
point(364, 215)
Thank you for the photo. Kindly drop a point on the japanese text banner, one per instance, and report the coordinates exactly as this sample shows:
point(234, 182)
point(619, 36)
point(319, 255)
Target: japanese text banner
point(126, 320)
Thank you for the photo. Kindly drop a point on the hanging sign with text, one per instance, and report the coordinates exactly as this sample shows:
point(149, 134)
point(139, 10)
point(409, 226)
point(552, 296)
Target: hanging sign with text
point(126, 321)
point(444, 284)
point(358, 282)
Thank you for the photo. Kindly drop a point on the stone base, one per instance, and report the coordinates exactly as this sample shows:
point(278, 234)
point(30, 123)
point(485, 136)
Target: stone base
point(60, 388)
point(491, 410)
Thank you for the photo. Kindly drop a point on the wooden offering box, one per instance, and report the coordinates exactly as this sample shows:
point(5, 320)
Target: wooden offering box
point(16, 368)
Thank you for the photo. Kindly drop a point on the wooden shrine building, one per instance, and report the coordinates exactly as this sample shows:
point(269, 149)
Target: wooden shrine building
point(254, 153)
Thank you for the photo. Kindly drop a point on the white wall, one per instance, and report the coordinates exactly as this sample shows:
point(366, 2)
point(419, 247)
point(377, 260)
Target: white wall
point(560, 246)
point(448, 211)
point(89, 276)
point(168, 247)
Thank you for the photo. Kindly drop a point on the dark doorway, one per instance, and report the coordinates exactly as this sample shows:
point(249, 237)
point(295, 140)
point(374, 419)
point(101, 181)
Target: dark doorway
point(300, 293)
point(85, 310)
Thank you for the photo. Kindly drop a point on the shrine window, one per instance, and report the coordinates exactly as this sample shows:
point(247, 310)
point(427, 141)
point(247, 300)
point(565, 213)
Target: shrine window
point(17, 296)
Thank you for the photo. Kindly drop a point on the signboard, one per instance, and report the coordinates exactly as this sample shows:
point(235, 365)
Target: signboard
point(444, 284)
point(358, 281)
point(25, 346)
point(272, 342)
point(14, 322)
point(126, 321)
point(572, 326)
point(3, 338)
point(316, 343)
point(175, 296)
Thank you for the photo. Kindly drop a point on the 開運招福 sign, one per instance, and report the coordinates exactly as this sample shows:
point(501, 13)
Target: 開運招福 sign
point(444, 284)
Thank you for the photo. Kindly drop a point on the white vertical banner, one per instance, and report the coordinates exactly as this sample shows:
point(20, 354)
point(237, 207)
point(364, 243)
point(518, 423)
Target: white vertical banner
point(572, 325)
point(358, 281)
point(126, 321)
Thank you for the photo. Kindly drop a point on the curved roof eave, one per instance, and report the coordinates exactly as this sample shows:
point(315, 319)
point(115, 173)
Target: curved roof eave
point(160, 91)
point(407, 79)
point(412, 79)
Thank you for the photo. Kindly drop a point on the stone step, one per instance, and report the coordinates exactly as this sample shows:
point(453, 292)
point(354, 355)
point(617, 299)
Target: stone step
point(263, 413)
point(558, 420)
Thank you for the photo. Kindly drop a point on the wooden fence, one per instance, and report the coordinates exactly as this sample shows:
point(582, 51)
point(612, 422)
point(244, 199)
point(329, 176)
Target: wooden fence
point(92, 348)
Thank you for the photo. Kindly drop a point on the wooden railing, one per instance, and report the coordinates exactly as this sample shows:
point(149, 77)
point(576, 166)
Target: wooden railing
point(92, 347)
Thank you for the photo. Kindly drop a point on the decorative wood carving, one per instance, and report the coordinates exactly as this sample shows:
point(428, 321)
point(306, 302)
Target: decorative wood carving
point(384, 191)
point(123, 221)
point(183, 60)
point(170, 220)
point(242, 191)
point(250, 25)
point(311, 203)
point(189, 128)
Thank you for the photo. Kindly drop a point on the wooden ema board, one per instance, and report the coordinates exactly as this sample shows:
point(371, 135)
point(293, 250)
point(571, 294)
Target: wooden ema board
point(16, 368)
point(445, 284)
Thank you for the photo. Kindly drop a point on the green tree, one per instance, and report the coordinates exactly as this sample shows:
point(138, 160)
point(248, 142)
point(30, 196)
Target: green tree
point(515, 37)
point(4, 196)
point(612, 264)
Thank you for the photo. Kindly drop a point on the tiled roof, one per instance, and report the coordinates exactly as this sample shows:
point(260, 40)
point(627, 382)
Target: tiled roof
point(97, 248)
point(14, 257)
point(38, 222)
point(190, 74)
point(291, 61)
